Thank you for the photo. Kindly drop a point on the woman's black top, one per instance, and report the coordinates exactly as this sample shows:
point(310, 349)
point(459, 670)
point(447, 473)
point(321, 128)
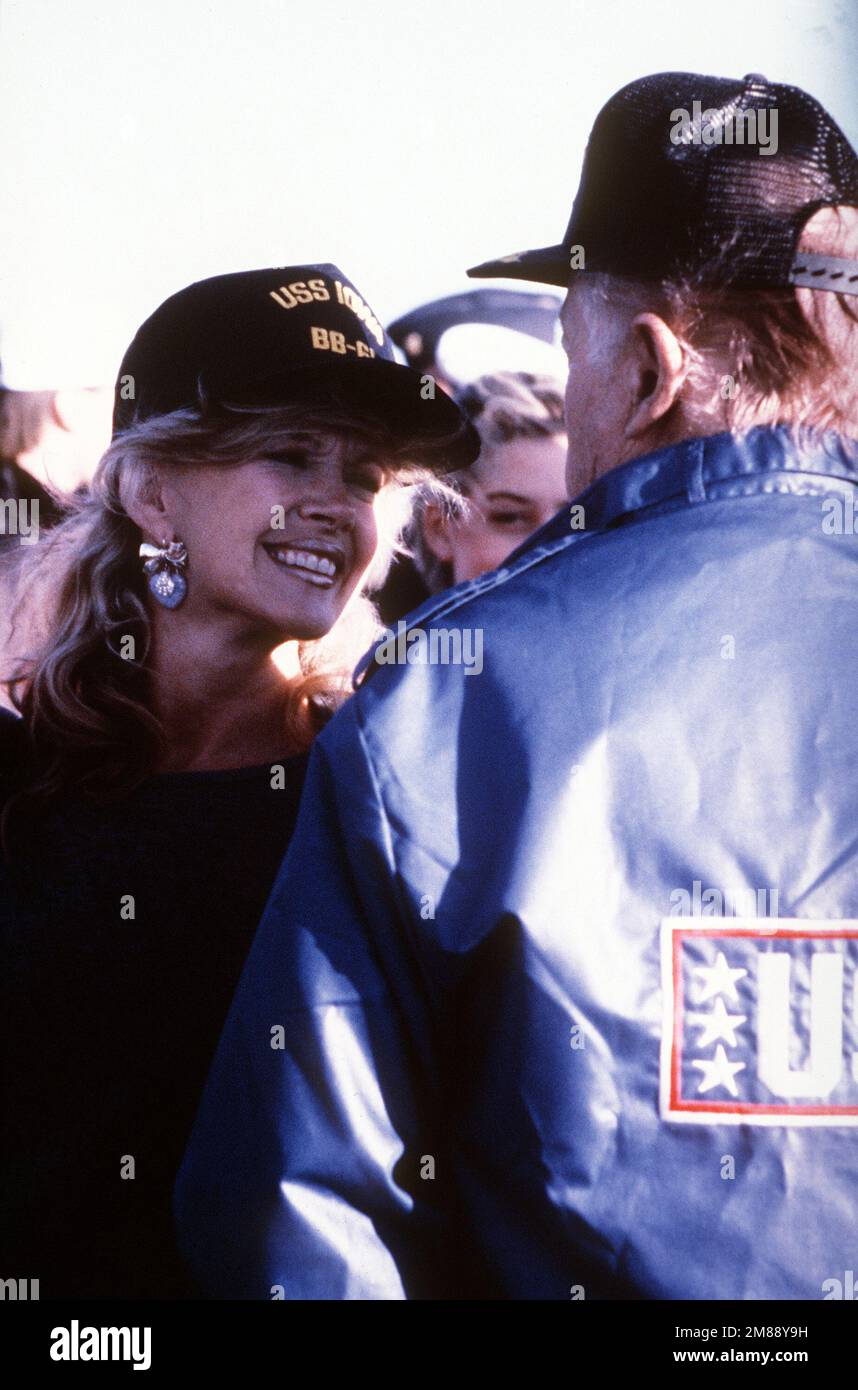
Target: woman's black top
point(124, 930)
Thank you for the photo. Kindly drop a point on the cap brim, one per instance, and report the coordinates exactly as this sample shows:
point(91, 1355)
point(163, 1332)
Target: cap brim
point(547, 265)
point(394, 394)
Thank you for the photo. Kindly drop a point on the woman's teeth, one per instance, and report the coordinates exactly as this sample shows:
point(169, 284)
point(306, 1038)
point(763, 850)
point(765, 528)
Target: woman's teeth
point(316, 569)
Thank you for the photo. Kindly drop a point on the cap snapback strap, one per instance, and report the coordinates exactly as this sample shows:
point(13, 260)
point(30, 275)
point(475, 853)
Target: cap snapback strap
point(825, 273)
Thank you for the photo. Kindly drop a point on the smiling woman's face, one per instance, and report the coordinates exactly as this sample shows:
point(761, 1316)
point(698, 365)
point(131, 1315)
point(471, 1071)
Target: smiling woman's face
point(280, 543)
point(512, 490)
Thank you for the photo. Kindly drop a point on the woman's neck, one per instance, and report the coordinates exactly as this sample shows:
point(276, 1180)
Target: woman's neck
point(220, 705)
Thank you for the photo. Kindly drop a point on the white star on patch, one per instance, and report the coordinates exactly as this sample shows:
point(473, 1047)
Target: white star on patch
point(722, 980)
point(718, 1071)
point(719, 1026)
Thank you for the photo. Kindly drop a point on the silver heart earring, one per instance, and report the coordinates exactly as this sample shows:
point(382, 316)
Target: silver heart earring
point(164, 564)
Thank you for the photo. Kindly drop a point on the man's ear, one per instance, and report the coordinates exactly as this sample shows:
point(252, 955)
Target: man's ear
point(436, 532)
point(148, 508)
point(659, 374)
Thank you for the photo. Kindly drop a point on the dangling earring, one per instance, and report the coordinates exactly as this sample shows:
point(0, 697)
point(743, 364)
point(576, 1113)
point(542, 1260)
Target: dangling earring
point(164, 565)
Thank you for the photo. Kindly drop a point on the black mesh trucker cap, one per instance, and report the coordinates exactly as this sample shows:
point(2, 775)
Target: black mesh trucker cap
point(292, 334)
point(703, 175)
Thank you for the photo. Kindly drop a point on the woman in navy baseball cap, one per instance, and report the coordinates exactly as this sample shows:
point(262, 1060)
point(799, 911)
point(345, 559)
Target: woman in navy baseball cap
point(250, 498)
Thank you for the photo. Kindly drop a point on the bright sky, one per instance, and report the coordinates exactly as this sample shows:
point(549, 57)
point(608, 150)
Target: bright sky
point(149, 143)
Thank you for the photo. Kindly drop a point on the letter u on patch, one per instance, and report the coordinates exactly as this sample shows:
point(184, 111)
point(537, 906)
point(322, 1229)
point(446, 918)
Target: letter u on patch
point(760, 1021)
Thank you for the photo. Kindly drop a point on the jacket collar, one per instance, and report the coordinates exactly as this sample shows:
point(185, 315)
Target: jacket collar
point(693, 472)
point(687, 470)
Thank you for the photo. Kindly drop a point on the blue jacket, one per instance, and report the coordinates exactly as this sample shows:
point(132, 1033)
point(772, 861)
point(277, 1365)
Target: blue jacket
point(556, 993)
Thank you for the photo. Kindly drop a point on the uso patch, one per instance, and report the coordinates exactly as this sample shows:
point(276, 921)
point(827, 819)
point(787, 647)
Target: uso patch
point(760, 1021)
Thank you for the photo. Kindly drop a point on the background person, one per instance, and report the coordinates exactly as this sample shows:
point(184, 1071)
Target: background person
point(515, 487)
point(50, 441)
point(456, 339)
point(480, 332)
point(250, 496)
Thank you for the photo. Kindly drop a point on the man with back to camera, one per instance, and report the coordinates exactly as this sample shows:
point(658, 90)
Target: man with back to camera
point(554, 994)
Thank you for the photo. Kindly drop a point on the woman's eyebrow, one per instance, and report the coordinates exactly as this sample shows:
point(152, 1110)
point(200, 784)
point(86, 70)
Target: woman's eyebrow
point(313, 449)
point(507, 496)
point(307, 447)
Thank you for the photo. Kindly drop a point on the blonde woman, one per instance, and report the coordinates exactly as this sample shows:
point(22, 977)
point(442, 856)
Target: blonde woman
point(516, 486)
point(151, 781)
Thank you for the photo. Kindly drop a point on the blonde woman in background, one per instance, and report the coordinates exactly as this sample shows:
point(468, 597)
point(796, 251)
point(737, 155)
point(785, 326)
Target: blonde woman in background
point(516, 486)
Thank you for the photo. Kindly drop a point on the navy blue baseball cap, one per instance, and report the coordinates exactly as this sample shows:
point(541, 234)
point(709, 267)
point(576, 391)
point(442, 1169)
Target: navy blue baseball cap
point(300, 334)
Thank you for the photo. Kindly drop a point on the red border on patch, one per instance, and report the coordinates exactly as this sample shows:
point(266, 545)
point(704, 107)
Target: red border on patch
point(737, 1107)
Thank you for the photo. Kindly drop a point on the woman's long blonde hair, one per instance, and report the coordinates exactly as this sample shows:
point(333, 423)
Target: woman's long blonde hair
point(81, 687)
